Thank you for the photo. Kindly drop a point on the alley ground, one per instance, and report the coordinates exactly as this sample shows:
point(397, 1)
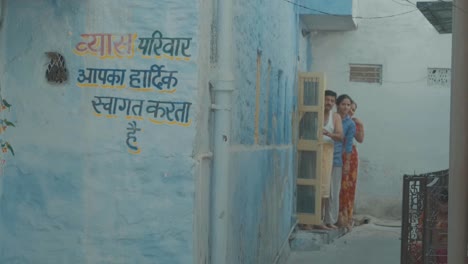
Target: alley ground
point(367, 244)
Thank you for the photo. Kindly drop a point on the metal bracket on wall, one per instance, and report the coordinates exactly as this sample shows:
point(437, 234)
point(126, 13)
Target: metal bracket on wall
point(208, 155)
point(218, 107)
point(223, 90)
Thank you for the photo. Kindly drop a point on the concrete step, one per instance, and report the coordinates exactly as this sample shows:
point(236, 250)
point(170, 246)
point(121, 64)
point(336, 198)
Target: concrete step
point(313, 240)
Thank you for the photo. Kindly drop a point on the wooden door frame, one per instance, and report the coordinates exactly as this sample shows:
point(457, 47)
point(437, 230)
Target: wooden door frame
point(311, 145)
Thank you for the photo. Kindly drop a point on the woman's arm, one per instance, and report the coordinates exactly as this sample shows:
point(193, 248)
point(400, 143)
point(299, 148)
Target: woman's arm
point(359, 130)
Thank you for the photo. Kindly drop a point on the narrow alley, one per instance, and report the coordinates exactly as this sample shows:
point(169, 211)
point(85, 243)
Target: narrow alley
point(367, 244)
point(229, 132)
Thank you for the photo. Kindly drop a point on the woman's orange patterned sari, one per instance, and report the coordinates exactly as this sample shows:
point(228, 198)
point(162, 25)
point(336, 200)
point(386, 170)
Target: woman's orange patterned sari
point(348, 188)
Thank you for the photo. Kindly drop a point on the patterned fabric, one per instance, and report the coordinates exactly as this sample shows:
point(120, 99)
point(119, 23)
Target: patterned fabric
point(348, 185)
point(348, 189)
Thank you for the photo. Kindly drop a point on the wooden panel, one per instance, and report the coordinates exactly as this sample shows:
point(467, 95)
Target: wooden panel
point(310, 219)
point(307, 182)
point(311, 96)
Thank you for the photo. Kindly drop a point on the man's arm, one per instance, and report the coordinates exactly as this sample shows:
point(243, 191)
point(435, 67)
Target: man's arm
point(337, 134)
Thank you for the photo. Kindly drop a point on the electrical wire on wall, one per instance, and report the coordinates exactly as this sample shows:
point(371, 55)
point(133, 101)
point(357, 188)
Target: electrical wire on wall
point(406, 3)
point(403, 3)
point(453, 4)
point(356, 17)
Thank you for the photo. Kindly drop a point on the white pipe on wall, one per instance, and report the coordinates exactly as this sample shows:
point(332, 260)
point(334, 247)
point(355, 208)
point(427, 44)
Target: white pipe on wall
point(223, 89)
point(458, 177)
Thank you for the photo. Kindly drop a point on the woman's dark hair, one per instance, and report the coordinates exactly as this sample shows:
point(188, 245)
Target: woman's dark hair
point(342, 97)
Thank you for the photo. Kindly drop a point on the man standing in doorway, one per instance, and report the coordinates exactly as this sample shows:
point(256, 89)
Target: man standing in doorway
point(332, 131)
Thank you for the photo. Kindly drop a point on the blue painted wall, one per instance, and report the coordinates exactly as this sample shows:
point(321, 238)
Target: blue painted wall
point(262, 177)
point(73, 193)
point(74, 186)
point(336, 7)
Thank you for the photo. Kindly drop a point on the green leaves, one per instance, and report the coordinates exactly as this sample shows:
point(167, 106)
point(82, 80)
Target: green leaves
point(5, 103)
point(6, 146)
point(8, 123)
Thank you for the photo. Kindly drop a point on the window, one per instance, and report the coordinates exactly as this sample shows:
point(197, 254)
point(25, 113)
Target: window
point(368, 73)
point(439, 77)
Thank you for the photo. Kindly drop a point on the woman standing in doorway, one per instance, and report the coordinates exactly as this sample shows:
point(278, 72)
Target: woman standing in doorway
point(341, 167)
point(349, 180)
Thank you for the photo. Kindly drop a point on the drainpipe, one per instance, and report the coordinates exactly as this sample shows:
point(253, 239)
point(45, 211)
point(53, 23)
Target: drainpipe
point(223, 89)
point(458, 179)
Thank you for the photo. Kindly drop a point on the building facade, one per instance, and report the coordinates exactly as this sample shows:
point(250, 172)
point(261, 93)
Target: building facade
point(405, 107)
point(108, 108)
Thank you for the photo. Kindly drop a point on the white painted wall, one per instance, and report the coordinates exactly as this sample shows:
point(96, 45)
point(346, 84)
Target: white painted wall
point(406, 121)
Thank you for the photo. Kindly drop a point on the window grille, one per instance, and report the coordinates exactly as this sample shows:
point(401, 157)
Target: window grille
point(439, 77)
point(368, 73)
point(56, 71)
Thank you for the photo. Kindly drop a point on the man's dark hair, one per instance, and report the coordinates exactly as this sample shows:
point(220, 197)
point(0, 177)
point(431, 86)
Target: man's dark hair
point(330, 93)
